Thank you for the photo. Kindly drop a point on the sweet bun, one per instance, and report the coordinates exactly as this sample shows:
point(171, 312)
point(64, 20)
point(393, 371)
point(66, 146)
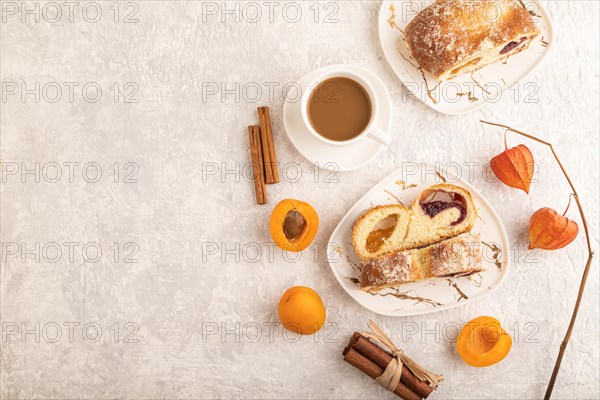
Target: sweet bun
point(454, 37)
point(380, 230)
point(458, 256)
point(439, 212)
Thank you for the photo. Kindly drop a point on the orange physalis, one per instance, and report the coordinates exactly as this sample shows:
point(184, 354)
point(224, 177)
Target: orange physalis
point(514, 167)
point(549, 230)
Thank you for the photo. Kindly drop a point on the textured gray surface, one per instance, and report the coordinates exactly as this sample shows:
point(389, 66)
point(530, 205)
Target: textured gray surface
point(183, 220)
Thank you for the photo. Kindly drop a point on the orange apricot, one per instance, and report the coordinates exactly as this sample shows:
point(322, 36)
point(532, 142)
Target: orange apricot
point(293, 225)
point(301, 310)
point(482, 342)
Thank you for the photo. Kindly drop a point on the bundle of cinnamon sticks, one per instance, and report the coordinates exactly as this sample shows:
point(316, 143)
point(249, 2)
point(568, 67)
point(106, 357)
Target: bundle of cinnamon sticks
point(373, 360)
point(262, 151)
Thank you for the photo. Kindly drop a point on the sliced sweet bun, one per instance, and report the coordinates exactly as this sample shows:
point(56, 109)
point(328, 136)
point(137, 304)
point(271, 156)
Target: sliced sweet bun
point(380, 230)
point(440, 212)
point(391, 270)
point(459, 256)
point(454, 37)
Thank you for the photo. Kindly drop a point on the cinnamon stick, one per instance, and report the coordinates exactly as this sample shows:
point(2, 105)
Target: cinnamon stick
point(271, 145)
point(382, 358)
point(374, 371)
point(257, 165)
point(268, 146)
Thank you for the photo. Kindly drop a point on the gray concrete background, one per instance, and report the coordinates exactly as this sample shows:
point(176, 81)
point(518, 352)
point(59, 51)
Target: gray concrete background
point(181, 303)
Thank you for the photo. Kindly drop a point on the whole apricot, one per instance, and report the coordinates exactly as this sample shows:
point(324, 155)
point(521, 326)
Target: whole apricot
point(301, 310)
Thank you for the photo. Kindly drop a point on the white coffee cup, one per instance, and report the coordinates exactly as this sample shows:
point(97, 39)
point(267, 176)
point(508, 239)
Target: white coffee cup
point(369, 132)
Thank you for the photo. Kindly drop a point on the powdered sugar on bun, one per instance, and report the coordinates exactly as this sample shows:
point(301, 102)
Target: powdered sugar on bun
point(458, 256)
point(451, 37)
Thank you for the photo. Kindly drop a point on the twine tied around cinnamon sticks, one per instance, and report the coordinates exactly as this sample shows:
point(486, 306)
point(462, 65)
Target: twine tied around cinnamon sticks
point(392, 373)
point(375, 354)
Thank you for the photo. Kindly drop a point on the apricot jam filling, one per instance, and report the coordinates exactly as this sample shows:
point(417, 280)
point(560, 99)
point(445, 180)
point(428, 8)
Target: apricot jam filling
point(383, 230)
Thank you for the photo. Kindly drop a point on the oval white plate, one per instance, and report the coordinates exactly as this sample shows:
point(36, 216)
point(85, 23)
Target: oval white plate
point(429, 295)
point(327, 156)
point(464, 93)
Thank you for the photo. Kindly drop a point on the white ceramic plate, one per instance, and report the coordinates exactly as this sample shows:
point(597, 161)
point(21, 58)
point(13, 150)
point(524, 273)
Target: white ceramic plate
point(331, 157)
point(464, 93)
point(433, 294)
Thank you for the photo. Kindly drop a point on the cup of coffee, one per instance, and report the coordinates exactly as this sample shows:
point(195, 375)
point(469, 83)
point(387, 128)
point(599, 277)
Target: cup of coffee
point(340, 108)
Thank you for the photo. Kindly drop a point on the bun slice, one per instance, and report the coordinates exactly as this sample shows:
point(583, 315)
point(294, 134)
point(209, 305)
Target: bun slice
point(440, 212)
point(380, 230)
